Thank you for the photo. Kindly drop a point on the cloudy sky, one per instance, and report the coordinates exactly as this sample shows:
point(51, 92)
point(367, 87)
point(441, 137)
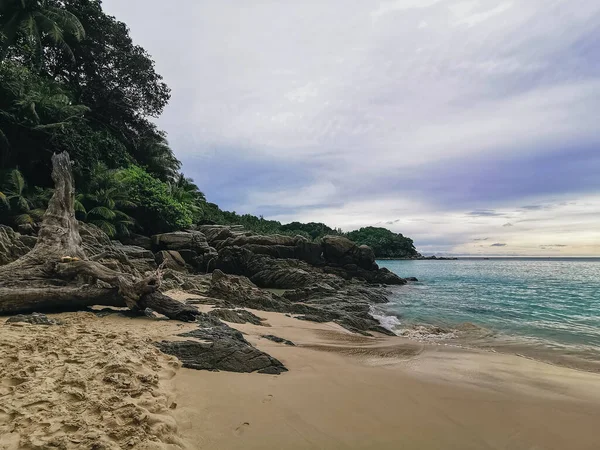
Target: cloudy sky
point(471, 126)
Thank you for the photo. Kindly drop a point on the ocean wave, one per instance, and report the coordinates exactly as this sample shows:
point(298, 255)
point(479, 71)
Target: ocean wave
point(390, 323)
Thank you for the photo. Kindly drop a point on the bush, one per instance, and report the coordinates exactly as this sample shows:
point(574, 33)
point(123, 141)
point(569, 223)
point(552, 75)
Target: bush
point(156, 210)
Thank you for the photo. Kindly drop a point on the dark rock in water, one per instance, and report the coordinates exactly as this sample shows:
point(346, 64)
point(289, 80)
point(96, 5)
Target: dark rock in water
point(220, 348)
point(34, 319)
point(411, 279)
point(236, 316)
point(278, 339)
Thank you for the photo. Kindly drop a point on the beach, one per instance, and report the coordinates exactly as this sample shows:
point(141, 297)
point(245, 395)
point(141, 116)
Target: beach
point(99, 378)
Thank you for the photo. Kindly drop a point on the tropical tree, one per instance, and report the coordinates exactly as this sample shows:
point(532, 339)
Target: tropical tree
point(35, 22)
point(102, 202)
point(26, 207)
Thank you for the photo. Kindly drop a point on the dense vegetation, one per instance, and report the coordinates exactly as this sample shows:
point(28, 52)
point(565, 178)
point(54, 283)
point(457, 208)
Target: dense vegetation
point(72, 79)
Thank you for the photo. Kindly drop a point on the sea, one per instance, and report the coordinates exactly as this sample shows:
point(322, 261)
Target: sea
point(541, 308)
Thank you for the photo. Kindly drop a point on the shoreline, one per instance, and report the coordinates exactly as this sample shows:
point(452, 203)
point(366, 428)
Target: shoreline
point(343, 390)
point(464, 336)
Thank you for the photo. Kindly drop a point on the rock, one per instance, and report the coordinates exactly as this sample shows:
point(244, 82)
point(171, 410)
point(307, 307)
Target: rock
point(27, 229)
point(34, 319)
point(142, 259)
point(278, 339)
point(236, 316)
point(240, 291)
point(338, 250)
point(216, 346)
point(411, 279)
point(11, 246)
point(137, 240)
point(191, 245)
point(171, 260)
point(330, 300)
point(28, 241)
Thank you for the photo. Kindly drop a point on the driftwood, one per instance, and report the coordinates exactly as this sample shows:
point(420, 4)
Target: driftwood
point(57, 275)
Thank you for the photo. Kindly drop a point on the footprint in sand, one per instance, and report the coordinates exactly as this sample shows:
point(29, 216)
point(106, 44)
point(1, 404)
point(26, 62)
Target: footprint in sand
point(267, 399)
point(240, 430)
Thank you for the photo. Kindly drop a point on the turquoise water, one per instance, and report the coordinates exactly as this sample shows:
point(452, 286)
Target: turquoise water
point(541, 304)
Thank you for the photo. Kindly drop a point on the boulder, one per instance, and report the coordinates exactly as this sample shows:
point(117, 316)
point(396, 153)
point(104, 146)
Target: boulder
point(241, 292)
point(191, 245)
point(137, 240)
point(216, 346)
point(236, 316)
point(11, 245)
point(171, 260)
point(339, 250)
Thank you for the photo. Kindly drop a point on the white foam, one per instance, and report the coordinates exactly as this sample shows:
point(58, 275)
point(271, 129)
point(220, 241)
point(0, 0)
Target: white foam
point(390, 323)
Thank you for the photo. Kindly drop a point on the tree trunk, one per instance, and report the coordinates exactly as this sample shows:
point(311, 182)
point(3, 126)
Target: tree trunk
point(56, 275)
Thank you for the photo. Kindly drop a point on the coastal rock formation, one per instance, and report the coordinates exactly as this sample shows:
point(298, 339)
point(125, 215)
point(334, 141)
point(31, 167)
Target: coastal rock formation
point(329, 299)
point(191, 246)
point(236, 316)
point(12, 245)
point(217, 346)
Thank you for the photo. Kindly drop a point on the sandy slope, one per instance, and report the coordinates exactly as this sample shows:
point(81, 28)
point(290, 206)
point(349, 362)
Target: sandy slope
point(92, 383)
point(99, 383)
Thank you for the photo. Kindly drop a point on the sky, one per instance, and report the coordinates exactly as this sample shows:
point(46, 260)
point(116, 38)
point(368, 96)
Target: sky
point(471, 126)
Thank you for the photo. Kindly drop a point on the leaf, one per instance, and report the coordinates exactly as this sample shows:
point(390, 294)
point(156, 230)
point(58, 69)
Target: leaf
point(105, 226)
point(23, 219)
point(103, 212)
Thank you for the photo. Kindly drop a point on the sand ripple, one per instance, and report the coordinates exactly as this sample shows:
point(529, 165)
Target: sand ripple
point(83, 386)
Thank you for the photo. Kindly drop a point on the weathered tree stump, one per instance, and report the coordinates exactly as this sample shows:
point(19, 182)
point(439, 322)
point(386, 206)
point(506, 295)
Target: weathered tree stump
point(56, 274)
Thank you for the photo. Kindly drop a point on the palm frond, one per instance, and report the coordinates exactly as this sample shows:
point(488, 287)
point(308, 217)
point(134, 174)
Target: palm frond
point(102, 211)
point(3, 199)
point(105, 226)
point(23, 219)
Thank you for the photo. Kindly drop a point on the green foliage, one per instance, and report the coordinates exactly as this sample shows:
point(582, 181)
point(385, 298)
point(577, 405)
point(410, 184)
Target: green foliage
point(157, 210)
point(102, 201)
point(35, 23)
point(21, 205)
point(384, 242)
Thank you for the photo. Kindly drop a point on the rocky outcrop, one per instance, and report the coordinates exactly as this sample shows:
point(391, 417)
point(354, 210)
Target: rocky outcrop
point(330, 299)
point(171, 259)
point(12, 246)
point(236, 316)
point(280, 261)
point(191, 245)
point(216, 346)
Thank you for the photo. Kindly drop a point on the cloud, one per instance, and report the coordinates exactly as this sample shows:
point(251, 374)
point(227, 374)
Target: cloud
point(498, 245)
point(484, 213)
point(508, 224)
point(455, 113)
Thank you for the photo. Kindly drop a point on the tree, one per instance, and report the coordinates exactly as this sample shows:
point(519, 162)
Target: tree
point(103, 200)
point(36, 22)
point(26, 207)
point(57, 273)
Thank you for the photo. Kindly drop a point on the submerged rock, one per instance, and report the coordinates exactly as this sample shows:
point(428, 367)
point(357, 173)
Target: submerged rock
point(217, 346)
